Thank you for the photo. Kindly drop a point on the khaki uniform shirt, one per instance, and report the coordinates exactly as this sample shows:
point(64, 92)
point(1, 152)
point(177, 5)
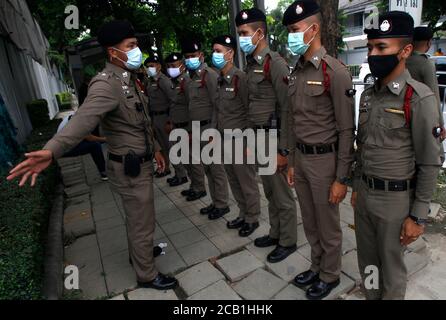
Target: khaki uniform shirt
point(232, 102)
point(423, 70)
point(202, 93)
point(391, 150)
point(321, 117)
point(268, 92)
point(179, 108)
point(160, 92)
point(112, 100)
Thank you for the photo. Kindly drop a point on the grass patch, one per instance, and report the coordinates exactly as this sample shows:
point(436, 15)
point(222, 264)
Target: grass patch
point(24, 217)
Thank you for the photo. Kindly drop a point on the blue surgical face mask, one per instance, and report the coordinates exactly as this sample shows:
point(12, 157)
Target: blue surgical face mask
point(152, 72)
point(193, 63)
point(218, 60)
point(246, 43)
point(297, 44)
point(134, 58)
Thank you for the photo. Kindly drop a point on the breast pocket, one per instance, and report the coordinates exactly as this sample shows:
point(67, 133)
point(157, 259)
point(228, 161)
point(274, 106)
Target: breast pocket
point(393, 132)
point(363, 123)
point(133, 110)
point(195, 89)
point(316, 99)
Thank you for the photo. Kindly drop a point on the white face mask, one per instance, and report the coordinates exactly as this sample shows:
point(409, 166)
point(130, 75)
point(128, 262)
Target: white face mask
point(152, 72)
point(174, 72)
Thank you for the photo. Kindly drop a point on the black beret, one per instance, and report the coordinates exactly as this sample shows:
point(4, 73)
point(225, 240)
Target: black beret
point(392, 24)
point(249, 16)
point(226, 41)
point(300, 10)
point(173, 57)
point(152, 58)
point(114, 32)
point(190, 45)
point(422, 34)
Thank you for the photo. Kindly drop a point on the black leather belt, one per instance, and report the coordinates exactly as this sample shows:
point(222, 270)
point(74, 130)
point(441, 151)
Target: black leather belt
point(397, 185)
point(181, 125)
point(120, 159)
point(158, 113)
point(307, 149)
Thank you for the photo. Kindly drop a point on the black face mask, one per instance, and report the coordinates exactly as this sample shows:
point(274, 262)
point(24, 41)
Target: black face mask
point(382, 66)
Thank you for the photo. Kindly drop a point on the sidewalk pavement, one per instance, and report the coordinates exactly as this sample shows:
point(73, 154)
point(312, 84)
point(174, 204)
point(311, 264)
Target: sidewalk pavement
point(210, 261)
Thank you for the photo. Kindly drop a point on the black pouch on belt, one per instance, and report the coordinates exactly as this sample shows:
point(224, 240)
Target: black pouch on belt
point(132, 164)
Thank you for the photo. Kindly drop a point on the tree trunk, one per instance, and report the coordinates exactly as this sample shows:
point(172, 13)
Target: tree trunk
point(331, 33)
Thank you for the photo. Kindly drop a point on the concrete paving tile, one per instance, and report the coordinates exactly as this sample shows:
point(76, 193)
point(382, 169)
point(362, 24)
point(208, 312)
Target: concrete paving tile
point(198, 252)
point(239, 265)
point(259, 285)
point(199, 277)
point(217, 291)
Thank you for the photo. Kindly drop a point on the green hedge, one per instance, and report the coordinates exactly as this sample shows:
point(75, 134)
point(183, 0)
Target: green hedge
point(38, 113)
point(64, 100)
point(24, 214)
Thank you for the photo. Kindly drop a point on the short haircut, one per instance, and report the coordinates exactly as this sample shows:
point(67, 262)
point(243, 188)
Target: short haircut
point(406, 41)
point(316, 18)
point(260, 25)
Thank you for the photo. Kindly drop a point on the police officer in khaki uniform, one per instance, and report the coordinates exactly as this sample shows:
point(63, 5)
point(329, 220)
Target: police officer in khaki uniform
point(161, 94)
point(267, 74)
point(232, 113)
point(321, 116)
point(398, 159)
point(117, 102)
point(421, 68)
point(202, 98)
point(178, 111)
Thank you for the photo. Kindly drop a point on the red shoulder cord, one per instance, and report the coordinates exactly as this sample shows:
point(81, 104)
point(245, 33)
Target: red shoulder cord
point(182, 85)
point(407, 97)
point(140, 85)
point(267, 68)
point(203, 79)
point(236, 81)
point(326, 76)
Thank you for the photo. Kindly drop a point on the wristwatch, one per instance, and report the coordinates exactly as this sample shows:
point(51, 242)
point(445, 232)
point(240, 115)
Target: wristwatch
point(343, 180)
point(283, 152)
point(418, 221)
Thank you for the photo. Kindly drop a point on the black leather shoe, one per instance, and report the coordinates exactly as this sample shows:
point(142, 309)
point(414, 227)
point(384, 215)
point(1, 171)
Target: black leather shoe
point(178, 182)
point(208, 209)
point(320, 289)
point(306, 278)
point(161, 282)
point(218, 213)
point(187, 192)
point(265, 241)
point(235, 224)
point(247, 229)
point(195, 195)
point(162, 174)
point(170, 180)
point(280, 253)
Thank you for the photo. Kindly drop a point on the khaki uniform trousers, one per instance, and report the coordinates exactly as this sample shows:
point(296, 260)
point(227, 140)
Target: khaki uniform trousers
point(379, 217)
point(281, 204)
point(242, 179)
point(314, 176)
point(138, 201)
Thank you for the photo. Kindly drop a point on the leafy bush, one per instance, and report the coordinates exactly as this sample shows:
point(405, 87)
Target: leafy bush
point(64, 100)
point(24, 214)
point(38, 113)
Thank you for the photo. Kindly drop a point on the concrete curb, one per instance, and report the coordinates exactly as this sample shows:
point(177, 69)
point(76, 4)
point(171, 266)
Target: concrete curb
point(53, 263)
